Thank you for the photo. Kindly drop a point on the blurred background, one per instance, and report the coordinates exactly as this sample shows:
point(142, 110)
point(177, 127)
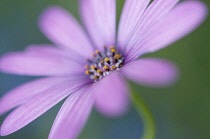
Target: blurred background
point(181, 111)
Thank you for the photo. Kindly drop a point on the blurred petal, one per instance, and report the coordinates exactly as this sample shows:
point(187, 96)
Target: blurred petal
point(25, 114)
point(151, 72)
point(25, 92)
point(130, 17)
point(45, 49)
point(182, 20)
point(111, 94)
point(62, 29)
point(72, 116)
point(155, 11)
point(39, 62)
point(99, 19)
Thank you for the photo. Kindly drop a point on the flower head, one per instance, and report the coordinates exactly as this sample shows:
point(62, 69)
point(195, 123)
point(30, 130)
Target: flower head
point(90, 67)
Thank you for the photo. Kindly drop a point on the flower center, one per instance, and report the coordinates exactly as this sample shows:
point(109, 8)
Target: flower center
point(103, 63)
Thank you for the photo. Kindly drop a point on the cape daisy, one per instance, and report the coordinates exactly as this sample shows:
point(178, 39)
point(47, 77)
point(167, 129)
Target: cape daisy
point(72, 69)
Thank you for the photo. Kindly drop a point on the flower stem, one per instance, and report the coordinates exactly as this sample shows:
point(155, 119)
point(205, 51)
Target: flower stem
point(144, 112)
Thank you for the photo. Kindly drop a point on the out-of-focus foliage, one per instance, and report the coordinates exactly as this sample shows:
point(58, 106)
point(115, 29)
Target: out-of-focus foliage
point(149, 126)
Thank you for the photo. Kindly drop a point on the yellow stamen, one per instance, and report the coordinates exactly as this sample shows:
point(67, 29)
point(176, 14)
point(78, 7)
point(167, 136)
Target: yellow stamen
point(106, 67)
point(97, 51)
point(106, 59)
point(99, 71)
point(93, 67)
point(93, 54)
point(87, 72)
point(114, 67)
point(113, 50)
point(86, 67)
point(101, 61)
point(96, 77)
point(117, 56)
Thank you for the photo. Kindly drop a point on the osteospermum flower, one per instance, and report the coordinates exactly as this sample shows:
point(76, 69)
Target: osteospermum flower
point(90, 66)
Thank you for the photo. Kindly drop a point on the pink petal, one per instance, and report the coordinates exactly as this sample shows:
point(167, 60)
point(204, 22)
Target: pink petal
point(46, 49)
point(111, 94)
point(155, 11)
point(62, 29)
point(25, 92)
point(40, 62)
point(182, 20)
point(99, 18)
point(52, 50)
point(25, 114)
point(72, 116)
point(151, 72)
point(130, 17)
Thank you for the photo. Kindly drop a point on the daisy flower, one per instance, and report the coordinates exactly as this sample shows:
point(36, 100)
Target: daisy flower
point(89, 65)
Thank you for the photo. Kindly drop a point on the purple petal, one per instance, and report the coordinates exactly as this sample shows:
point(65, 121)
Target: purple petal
point(62, 29)
point(52, 50)
point(38, 62)
point(182, 20)
point(130, 17)
point(25, 114)
point(111, 94)
point(151, 72)
point(72, 116)
point(25, 92)
point(99, 18)
point(155, 11)
point(46, 49)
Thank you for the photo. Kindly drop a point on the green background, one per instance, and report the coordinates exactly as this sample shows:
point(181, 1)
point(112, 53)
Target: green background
point(181, 111)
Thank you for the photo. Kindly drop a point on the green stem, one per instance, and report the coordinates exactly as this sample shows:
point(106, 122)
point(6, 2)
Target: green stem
point(144, 112)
